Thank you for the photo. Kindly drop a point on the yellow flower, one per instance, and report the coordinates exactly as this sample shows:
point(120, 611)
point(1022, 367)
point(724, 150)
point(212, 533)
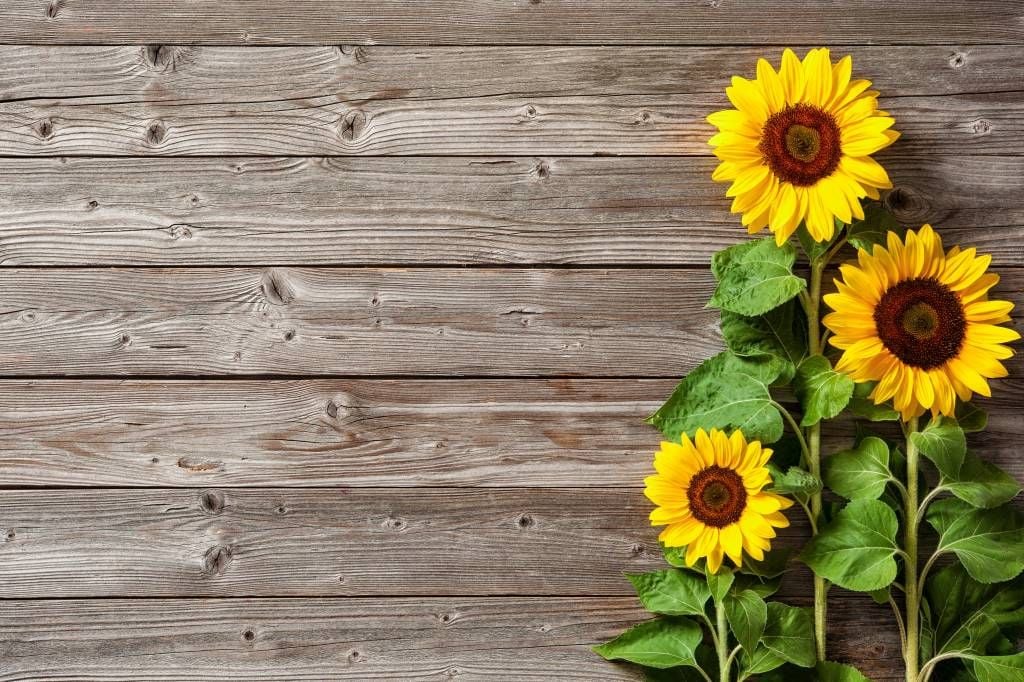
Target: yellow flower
point(918, 321)
point(797, 146)
point(709, 494)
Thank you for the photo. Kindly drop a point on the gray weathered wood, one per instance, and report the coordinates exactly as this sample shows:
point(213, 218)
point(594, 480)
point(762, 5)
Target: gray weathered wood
point(326, 541)
point(181, 100)
point(200, 75)
point(510, 638)
point(502, 23)
point(440, 210)
point(539, 433)
point(363, 321)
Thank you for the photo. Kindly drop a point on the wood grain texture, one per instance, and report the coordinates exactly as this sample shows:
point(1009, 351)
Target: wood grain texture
point(363, 321)
point(440, 211)
point(512, 638)
point(502, 23)
point(360, 321)
point(327, 541)
point(183, 100)
point(539, 433)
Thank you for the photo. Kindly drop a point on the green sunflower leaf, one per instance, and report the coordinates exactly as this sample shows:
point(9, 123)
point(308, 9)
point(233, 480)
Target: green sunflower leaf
point(671, 592)
point(970, 417)
point(662, 643)
point(814, 249)
point(877, 224)
point(719, 583)
point(763, 660)
point(863, 406)
point(795, 481)
point(823, 671)
point(857, 549)
point(774, 564)
point(860, 473)
point(982, 484)
point(944, 443)
point(822, 391)
point(789, 634)
point(999, 668)
point(725, 392)
point(747, 614)
point(967, 615)
point(837, 672)
point(754, 277)
point(780, 334)
point(988, 542)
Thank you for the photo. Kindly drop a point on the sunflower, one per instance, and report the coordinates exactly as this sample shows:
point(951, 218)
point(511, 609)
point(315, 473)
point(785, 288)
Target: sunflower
point(709, 494)
point(797, 146)
point(919, 322)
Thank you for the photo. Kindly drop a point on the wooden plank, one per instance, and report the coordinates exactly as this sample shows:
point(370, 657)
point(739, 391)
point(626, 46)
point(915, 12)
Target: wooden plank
point(363, 321)
point(360, 639)
point(538, 433)
point(181, 100)
point(197, 75)
point(238, 22)
point(323, 542)
point(440, 211)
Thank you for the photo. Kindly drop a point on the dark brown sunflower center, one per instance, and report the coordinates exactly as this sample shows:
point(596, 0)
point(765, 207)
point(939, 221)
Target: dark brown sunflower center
point(717, 496)
point(801, 144)
point(921, 322)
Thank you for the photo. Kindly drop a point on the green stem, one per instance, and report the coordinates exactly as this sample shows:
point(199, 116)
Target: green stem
point(722, 644)
point(813, 441)
point(911, 650)
point(795, 427)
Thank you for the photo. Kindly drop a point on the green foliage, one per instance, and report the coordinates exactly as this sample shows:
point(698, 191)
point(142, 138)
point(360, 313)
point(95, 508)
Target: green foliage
point(860, 473)
point(747, 614)
point(788, 638)
point(822, 391)
point(754, 277)
point(671, 592)
point(999, 668)
point(857, 550)
point(863, 406)
point(662, 643)
point(968, 616)
point(982, 484)
point(795, 481)
point(780, 334)
point(720, 583)
point(725, 392)
point(823, 671)
point(944, 443)
point(815, 250)
point(970, 417)
point(877, 224)
point(988, 542)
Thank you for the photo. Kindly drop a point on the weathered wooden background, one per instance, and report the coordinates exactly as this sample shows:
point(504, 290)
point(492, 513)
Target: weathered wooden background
point(327, 327)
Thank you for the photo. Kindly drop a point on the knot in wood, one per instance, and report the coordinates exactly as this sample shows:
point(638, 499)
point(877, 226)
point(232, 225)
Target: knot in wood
point(44, 129)
point(525, 521)
point(155, 132)
point(981, 127)
point(217, 559)
point(53, 9)
point(276, 288)
point(395, 523)
point(249, 635)
point(352, 125)
point(212, 501)
point(162, 58)
point(542, 170)
point(957, 60)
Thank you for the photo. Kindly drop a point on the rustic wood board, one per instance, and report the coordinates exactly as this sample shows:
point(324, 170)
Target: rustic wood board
point(291, 440)
point(364, 321)
point(509, 638)
point(407, 433)
point(440, 211)
point(500, 23)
